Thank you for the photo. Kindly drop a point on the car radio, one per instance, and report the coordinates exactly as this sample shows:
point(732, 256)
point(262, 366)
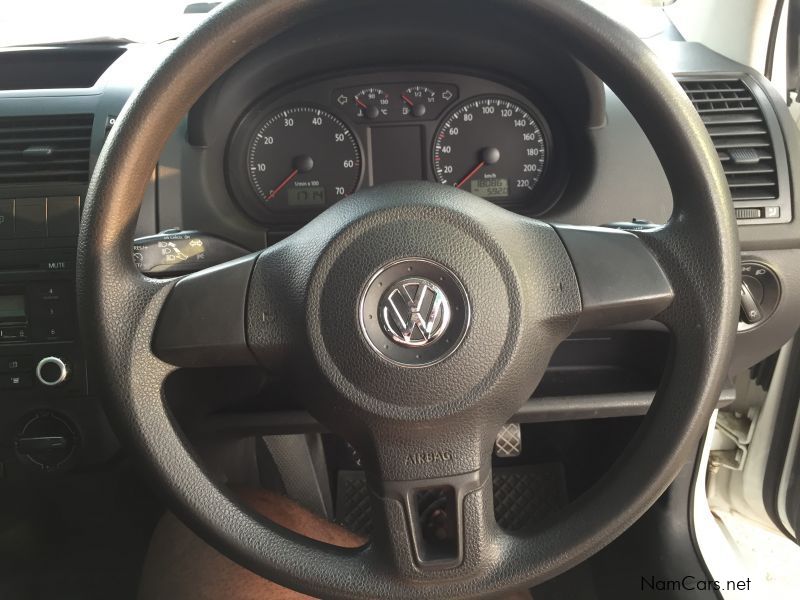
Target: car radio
point(39, 352)
point(36, 312)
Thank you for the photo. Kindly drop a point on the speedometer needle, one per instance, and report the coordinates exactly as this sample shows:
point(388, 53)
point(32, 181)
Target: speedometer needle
point(489, 156)
point(471, 174)
point(282, 184)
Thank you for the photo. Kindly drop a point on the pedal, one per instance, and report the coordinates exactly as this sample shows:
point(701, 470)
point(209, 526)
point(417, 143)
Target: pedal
point(509, 441)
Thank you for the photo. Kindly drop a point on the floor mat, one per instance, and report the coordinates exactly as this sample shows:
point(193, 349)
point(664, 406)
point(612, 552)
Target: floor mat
point(522, 496)
point(525, 495)
point(80, 536)
point(352, 502)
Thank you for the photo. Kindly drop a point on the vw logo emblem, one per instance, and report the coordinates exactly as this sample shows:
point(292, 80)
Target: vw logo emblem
point(415, 312)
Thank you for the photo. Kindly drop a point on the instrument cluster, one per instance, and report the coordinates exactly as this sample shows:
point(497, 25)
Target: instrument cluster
point(296, 152)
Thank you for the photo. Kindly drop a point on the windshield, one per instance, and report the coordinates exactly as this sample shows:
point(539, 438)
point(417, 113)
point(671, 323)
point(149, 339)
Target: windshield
point(29, 22)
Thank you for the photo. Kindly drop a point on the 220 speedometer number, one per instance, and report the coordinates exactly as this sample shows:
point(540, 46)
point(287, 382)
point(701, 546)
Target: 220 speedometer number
point(492, 147)
point(303, 158)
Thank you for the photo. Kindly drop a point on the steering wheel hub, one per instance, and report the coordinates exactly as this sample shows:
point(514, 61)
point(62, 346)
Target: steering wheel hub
point(433, 336)
point(414, 312)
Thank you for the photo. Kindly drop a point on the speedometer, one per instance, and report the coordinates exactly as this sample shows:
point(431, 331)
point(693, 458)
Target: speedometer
point(492, 147)
point(302, 158)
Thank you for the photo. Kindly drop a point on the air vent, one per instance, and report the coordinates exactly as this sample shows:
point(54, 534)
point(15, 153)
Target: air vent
point(740, 135)
point(45, 149)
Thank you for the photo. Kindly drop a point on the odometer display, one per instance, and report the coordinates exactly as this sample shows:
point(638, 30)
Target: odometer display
point(309, 196)
point(492, 147)
point(303, 158)
point(489, 188)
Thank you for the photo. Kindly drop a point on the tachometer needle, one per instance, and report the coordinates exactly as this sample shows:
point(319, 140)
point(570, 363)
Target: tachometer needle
point(471, 174)
point(282, 184)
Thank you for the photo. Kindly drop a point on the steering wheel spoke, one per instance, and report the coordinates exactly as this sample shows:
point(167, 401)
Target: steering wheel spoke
point(203, 320)
point(233, 314)
point(433, 527)
point(619, 277)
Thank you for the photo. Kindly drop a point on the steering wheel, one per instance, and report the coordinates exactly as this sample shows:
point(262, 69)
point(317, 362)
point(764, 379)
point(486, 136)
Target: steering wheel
point(414, 319)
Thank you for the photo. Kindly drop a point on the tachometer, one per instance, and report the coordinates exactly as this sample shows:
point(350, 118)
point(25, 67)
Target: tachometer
point(303, 158)
point(492, 147)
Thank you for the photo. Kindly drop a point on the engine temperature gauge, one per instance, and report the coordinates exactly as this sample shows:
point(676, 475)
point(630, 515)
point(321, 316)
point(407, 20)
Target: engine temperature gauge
point(372, 103)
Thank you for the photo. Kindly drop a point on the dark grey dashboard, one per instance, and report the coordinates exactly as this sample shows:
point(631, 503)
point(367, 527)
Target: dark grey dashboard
point(592, 165)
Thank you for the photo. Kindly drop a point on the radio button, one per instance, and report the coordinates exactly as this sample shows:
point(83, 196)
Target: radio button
point(6, 218)
point(13, 364)
point(17, 381)
point(51, 331)
point(30, 218)
point(51, 371)
point(13, 334)
point(50, 292)
point(63, 215)
point(56, 263)
point(48, 310)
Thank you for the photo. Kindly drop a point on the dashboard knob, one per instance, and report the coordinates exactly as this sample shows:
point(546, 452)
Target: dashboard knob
point(46, 441)
point(761, 292)
point(52, 371)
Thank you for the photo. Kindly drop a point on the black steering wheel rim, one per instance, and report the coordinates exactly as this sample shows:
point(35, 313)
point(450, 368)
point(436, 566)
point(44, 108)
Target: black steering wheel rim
point(699, 249)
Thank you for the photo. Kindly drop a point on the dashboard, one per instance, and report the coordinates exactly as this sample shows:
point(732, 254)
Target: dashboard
point(295, 152)
point(296, 126)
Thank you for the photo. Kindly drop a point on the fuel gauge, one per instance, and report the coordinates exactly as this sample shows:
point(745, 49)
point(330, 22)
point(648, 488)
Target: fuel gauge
point(416, 100)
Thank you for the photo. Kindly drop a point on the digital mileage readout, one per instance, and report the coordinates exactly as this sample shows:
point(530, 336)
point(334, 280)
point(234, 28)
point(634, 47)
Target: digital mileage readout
point(306, 196)
point(489, 188)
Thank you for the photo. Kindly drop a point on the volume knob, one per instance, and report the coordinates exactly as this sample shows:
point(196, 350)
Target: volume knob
point(52, 371)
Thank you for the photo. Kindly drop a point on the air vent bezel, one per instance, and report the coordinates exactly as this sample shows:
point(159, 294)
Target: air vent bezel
point(783, 200)
point(69, 134)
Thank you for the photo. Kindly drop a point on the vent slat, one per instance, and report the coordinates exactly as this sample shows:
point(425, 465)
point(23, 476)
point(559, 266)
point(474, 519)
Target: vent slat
point(728, 91)
point(738, 181)
point(737, 128)
point(731, 130)
point(45, 149)
point(741, 142)
point(37, 166)
point(731, 119)
point(44, 138)
point(756, 169)
point(4, 131)
point(723, 100)
point(54, 175)
point(60, 152)
point(741, 194)
point(718, 111)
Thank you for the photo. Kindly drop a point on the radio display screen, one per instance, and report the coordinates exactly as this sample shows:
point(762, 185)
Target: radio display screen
point(12, 308)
